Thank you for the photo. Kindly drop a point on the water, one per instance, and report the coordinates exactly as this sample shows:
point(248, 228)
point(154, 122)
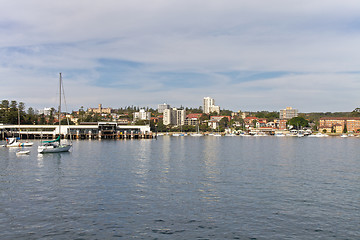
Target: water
point(184, 188)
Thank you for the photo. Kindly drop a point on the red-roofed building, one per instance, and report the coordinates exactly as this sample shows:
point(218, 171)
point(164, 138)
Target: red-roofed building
point(250, 120)
point(194, 115)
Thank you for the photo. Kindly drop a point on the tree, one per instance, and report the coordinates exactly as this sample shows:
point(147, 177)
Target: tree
point(345, 129)
point(160, 127)
point(204, 117)
point(51, 117)
point(225, 112)
point(4, 111)
point(333, 129)
point(224, 123)
point(30, 117)
point(65, 122)
point(298, 122)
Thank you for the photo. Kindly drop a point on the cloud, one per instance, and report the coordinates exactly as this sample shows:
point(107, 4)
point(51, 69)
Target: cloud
point(250, 55)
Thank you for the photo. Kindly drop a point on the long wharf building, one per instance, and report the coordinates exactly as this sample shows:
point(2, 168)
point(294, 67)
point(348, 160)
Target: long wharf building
point(98, 130)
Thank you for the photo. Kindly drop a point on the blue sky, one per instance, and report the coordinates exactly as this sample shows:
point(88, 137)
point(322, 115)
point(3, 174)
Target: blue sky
point(248, 55)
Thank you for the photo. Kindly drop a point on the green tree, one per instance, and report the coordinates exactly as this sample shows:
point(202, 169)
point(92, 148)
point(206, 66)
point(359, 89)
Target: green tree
point(160, 127)
point(65, 122)
point(225, 112)
point(12, 117)
point(224, 123)
point(345, 129)
point(298, 122)
point(51, 117)
point(42, 119)
point(4, 111)
point(30, 117)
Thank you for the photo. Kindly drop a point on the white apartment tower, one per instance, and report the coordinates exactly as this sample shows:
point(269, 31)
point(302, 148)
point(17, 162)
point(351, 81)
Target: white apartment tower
point(209, 106)
point(174, 116)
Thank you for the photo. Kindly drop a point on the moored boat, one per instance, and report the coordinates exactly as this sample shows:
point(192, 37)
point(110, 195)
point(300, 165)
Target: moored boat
point(55, 146)
point(13, 142)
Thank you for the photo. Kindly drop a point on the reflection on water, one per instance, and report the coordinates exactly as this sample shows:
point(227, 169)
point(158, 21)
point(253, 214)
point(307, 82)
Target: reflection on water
point(184, 188)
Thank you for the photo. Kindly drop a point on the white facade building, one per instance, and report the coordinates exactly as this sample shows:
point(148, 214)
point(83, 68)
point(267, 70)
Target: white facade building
point(45, 111)
point(209, 106)
point(142, 115)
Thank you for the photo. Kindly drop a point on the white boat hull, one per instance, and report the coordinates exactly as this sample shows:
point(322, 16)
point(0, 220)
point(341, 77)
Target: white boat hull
point(20, 144)
point(54, 149)
point(196, 135)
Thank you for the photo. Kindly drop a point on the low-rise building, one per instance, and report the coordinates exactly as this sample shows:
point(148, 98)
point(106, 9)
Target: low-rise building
point(192, 119)
point(282, 124)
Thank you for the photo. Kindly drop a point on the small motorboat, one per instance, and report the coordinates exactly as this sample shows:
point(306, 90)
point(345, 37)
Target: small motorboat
point(24, 152)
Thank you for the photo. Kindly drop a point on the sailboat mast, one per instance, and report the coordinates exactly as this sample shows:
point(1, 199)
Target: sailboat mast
point(60, 107)
point(19, 121)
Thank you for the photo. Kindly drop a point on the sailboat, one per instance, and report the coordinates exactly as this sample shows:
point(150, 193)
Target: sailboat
point(13, 141)
point(197, 134)
point(55, 146)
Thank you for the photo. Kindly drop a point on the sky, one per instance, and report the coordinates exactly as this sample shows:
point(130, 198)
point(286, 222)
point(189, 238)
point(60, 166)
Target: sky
point(249, 55)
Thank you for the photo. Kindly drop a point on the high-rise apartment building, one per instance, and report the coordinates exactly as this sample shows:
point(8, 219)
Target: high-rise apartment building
point(288, 113)
point(174, 116)
point(209, 106)
point(162, 107)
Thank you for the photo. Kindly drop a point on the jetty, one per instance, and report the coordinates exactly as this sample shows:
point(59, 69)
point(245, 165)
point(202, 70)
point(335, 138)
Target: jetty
point(98, 130)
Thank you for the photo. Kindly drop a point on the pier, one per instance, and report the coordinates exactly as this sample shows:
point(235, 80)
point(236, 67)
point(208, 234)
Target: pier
point(99, 130)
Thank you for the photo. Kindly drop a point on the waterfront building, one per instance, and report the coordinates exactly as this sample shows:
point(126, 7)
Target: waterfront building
point(249, 121)
point(162, 107)
point(100, 110)
point(261, 123)
point(174, 116)
point(209, 106)
point(288, 113)
point(192, 119)
point(214, 121)
point(214, 124)
point(94, 129)
point(337, 124)
point(282, 124)
point(142, 115)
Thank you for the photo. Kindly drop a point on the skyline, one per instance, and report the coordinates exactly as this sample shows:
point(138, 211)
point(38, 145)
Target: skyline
point(249, 56)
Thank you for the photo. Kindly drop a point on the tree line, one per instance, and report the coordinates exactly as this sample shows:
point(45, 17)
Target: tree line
point(12, 111)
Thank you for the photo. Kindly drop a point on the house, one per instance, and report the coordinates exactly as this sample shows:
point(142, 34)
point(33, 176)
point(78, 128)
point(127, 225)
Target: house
point(250, 120)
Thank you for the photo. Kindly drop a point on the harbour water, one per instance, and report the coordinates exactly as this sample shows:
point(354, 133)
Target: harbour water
point(184, 188)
